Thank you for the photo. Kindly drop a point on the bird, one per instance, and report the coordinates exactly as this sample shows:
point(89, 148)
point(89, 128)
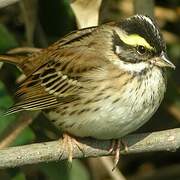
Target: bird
point(102, 82)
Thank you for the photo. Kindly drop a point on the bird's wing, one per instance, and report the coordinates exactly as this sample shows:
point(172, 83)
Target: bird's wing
point(56, 75)
point(57, 81)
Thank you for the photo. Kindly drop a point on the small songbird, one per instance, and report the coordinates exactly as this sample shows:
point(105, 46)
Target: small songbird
point(102, 82)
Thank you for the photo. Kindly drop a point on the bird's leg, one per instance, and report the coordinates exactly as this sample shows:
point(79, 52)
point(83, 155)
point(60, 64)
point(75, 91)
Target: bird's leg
point(125, 145)
point(116, 147)
point(68, 145)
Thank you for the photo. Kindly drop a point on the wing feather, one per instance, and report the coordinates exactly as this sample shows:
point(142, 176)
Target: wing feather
point(60, 79)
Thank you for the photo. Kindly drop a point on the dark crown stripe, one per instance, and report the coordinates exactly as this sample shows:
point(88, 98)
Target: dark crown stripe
point(145, 27)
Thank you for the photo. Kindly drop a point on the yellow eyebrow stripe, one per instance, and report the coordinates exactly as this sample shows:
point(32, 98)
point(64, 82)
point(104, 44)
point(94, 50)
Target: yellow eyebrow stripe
point(135, 40)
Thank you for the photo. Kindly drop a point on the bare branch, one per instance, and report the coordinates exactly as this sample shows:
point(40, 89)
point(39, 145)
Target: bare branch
point(13, 131)
point(168, 140)
point(29, 14)
point(108, 164)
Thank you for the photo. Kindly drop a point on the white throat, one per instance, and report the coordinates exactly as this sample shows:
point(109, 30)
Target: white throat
point(132, 67)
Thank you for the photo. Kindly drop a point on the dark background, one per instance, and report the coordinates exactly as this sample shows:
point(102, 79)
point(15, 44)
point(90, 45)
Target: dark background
point(51, 20)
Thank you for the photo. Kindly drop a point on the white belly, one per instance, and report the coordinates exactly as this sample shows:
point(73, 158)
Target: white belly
point(115, 120)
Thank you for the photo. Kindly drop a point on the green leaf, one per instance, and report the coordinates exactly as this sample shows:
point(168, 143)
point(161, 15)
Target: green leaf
point(78, 171)
point(19, 176)
point(7, 40)
point(5, 102)
point(25, 137)
point(61, 170)
point(55, 170)
point(173, 51)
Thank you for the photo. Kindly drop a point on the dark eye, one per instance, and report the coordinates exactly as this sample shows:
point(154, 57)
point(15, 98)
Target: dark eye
point(141, 50)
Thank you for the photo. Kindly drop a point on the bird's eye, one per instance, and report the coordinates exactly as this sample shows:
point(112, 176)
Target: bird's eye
point(141, 50)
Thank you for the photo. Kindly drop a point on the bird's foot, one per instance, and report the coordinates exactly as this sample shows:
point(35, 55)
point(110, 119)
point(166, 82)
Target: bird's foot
point(68, 145)
point(116, 147)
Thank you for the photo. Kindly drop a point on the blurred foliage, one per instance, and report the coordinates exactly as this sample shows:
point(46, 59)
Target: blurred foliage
point(7, 40)
point(61, 11)
point(55, 19)
point(5, 102)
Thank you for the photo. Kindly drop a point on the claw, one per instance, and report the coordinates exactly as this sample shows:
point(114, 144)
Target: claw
point(68, 144)
point(116, 147)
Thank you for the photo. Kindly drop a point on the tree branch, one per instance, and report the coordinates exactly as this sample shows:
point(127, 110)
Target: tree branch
point(168, 140)
point(13, 131)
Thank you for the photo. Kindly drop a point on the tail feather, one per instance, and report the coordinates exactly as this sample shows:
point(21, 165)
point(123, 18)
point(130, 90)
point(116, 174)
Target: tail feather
point(12, 110)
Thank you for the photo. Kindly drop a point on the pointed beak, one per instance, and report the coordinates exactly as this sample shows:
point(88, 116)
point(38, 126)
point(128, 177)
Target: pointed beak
point(163, 61)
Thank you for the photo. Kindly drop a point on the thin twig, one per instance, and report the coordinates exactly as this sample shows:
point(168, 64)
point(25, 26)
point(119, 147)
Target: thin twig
point(108, 164)
point(12, 132)
point(29, 14)
point(168, 140)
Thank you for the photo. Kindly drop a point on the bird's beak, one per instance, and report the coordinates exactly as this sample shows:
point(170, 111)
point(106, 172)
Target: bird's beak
point(163, 61)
